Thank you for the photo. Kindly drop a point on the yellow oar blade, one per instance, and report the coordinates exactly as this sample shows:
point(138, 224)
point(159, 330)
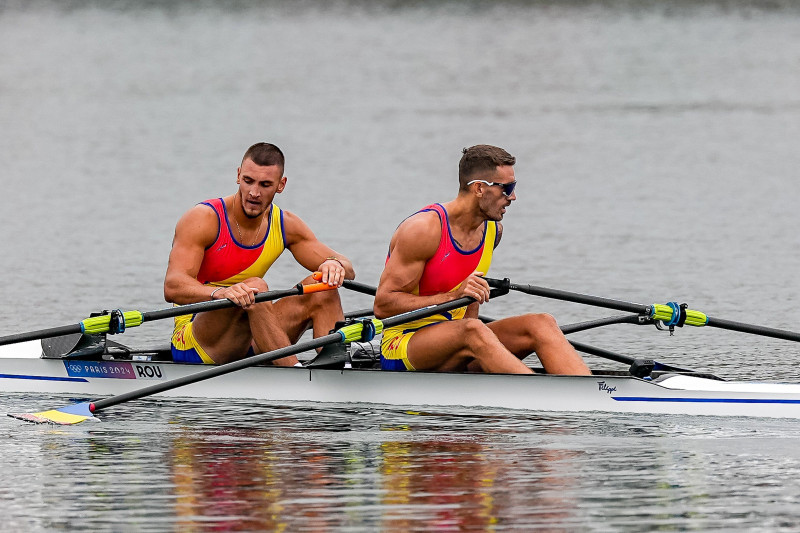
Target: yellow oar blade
point(71, 414)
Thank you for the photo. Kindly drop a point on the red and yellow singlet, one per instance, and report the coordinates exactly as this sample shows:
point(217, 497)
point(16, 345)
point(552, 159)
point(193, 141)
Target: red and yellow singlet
point(444, 272)
point(227, 262)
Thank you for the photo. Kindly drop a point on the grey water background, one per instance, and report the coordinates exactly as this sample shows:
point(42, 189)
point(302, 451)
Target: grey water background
point(657, 147)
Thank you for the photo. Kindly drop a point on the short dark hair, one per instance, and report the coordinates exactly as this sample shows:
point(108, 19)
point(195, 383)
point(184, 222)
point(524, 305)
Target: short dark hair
point(264, 155)
point(480, 161)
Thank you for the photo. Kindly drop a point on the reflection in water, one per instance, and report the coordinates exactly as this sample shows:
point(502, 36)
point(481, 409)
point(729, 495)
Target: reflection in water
point(394, 480)
point(448, 483)
point(232, 484)
point(621, 113)
point(159, 465)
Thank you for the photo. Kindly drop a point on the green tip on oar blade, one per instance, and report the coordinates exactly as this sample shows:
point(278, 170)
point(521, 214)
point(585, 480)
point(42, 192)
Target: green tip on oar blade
point(66, 416)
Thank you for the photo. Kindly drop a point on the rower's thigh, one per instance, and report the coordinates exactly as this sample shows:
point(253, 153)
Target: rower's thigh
point(226, 331)
point(443, 346)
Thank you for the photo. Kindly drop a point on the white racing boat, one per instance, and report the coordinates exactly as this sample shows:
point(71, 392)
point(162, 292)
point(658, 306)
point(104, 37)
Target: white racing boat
point(23, 369)
point(79, 360)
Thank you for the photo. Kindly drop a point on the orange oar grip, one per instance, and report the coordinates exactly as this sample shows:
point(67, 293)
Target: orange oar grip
point(317, 276)
point(317, 287)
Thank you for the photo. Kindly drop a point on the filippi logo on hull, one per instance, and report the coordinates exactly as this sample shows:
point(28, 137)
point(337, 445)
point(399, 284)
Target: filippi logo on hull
point(112, 370)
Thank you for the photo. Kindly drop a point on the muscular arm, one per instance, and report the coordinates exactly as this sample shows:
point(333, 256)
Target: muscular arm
point(196, 230)
point(412, 245)
point(312, 254)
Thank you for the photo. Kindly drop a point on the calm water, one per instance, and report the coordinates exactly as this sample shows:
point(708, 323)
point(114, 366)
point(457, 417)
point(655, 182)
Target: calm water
point(658, 156)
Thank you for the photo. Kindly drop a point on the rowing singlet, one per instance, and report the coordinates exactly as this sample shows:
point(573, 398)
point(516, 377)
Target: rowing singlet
point(225, 263)
point(444, 272)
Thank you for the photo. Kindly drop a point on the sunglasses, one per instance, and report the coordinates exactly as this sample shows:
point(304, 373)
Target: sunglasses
point(508, 188)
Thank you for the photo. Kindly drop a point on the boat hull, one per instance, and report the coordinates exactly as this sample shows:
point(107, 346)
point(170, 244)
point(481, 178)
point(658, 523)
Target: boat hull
point(672, 394)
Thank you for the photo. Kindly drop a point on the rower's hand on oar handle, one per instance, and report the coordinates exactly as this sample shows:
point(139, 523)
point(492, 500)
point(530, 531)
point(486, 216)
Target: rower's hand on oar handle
point(474, 287)
point(331, 271)
point(240, 294)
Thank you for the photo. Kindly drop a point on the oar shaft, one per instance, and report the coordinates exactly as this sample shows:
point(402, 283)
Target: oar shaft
point(613, 356)
point(693, 318)
point(425, 312)
point(215, 305)
point(599, 352)
point(600, 322)
point(359, 287)
point(754, 329)
point(170, 312)
point(41, 334)
point(598, 301)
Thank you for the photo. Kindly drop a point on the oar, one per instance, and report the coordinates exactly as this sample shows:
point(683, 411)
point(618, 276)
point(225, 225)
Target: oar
point(363, 288)
point(118, 321)
point(363, 330)
point(671, 314)
point(359, 287)
point(639, 367)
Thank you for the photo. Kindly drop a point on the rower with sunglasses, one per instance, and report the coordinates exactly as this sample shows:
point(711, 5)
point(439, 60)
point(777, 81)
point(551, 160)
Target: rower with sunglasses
point(440, 254)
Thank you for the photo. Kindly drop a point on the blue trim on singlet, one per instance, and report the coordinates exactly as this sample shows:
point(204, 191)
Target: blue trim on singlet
point(283, 231)
point(219, 222)
point(450, 233)
point(230, 230)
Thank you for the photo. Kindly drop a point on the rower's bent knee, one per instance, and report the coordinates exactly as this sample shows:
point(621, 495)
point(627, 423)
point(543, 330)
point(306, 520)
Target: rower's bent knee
point(541, 320)
point(324, 299)
point(541, 326)
point(475, 331)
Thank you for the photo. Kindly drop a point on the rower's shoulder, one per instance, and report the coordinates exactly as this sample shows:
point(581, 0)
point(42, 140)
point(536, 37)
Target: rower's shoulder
point(292, 222)
point(421, 224)
point(418, 234)
point(208, 208)
point(199, 221)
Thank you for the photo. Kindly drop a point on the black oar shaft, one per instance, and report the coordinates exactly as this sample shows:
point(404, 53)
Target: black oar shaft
point(426, 312)
point(598, 301)
point(646, 310)
point(215, 305)
point(613, 356)
point(41, 334)
point(599, 352)
point(359, 287)
point(751, 328)
point(600, 322)
point(170, 312)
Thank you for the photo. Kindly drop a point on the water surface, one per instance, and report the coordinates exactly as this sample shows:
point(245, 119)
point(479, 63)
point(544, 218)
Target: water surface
point(657, 156)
